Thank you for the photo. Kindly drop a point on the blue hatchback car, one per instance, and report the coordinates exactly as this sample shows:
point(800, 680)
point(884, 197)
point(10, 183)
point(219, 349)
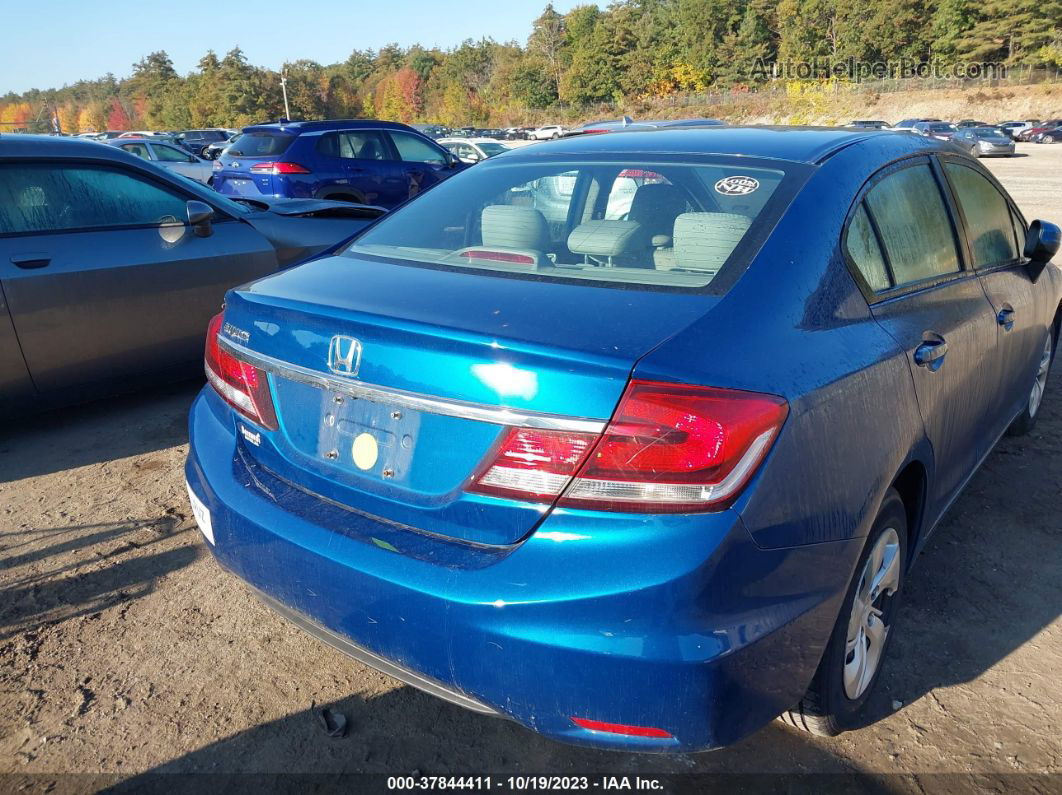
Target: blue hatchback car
point(629, 438)
point(359, 160)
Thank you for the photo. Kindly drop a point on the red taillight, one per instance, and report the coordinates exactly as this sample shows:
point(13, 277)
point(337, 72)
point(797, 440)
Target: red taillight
point(620, 728)
point(640, 173)
point(499, 256)
point(279, 168)
point(243, 387)
point(534, 464)
point(668, 448)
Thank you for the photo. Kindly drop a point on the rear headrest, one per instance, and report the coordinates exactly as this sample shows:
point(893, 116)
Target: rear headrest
point(605, 238)
point(656, 206)
point(703, 241)
point(510, 226)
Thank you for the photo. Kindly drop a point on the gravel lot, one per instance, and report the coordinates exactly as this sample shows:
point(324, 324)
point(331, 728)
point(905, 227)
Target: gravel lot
point(125, 650)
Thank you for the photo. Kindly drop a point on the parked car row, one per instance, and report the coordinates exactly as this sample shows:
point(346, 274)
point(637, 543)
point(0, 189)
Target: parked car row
point(1034, 130)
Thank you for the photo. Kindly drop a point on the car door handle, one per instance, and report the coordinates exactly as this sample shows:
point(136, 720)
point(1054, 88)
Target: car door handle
point(931, 354)
point(1005, 318)
point(30, 261)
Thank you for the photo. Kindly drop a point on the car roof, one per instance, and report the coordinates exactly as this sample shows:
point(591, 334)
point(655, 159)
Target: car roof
point(331, 124)
point(796, 144)
point(27, 145)
point(42, 147)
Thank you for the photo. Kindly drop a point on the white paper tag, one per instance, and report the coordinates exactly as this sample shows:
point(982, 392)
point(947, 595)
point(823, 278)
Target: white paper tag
point(201, 514)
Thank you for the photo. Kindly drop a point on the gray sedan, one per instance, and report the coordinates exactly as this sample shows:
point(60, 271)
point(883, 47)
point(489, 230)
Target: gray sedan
point(110, 267)
point(985, 141)
point(168, 156)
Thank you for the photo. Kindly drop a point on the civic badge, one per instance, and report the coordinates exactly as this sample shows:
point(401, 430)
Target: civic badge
point(344, 355)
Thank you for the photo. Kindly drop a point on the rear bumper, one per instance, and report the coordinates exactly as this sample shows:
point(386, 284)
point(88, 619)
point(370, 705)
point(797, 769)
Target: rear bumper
point(679, 623)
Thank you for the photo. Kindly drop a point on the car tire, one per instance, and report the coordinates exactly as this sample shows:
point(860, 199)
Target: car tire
point(555, 136)
point(1026, 421)
point(841, 687)
point(1048, 139)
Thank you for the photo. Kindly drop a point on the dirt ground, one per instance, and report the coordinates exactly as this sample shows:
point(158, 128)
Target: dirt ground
point(125, 651)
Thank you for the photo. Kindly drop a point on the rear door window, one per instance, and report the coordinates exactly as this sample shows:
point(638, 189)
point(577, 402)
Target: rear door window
point(909, 211)
point(864, 250)
point(354, 145)
point(54, 197)
point(170, 154)
point(989, 224)
point(140, 150)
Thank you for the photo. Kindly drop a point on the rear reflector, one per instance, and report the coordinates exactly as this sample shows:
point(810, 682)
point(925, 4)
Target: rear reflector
point(620, 728)
point(533, 463)
point(242, 386)
point(669, 448)
point(499, 256)
point(279, 168)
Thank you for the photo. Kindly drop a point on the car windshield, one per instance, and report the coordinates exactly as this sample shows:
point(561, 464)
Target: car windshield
point(940, 128)
point(260, 144)
point(492, 149)
point(988, 132)
point(635, 223)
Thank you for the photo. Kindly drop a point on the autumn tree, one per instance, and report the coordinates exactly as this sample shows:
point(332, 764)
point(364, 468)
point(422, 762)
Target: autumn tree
point(117, 118)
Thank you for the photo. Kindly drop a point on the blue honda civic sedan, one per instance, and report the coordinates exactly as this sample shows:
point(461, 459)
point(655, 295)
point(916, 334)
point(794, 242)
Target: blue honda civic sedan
point(630, 438)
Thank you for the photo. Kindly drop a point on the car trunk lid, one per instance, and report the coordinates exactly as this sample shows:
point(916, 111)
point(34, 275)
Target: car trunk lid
point(393, 384)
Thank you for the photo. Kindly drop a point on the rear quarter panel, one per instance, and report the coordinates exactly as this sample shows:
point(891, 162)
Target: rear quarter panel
point(795, 324)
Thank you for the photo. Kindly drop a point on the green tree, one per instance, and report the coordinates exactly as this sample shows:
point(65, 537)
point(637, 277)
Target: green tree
point(533, 86)
point(1012, 31)
point(547, 41)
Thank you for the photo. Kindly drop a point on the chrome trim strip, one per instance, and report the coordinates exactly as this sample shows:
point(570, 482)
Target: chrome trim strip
point(496, 415)
point(366, 657)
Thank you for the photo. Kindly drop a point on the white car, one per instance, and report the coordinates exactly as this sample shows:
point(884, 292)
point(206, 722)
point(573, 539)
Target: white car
point(546, 133)
point(1015, 127)
point(472, 150)
point(169, 157)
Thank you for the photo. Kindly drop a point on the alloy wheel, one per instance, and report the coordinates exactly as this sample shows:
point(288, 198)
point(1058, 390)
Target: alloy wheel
point(867, 627)
point(1040, 382)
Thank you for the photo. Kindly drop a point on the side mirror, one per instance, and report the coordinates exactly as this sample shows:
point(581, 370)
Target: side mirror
point(1041, 244)
point(200, 214)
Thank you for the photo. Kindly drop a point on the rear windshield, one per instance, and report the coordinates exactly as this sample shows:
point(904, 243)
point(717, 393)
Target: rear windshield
point(260, 144)
point(667, 224)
